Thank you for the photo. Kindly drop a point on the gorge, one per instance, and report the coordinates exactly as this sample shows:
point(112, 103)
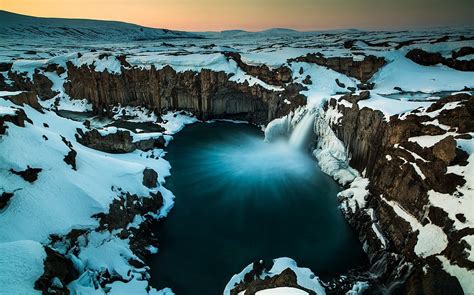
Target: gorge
point(120, 172)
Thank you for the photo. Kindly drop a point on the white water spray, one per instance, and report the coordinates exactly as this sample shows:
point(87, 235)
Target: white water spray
point(302, 132)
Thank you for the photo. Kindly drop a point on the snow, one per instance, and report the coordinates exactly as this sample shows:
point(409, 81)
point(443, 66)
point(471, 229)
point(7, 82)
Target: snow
point(27, 223)
point(463, 202)
point(305, 278)
point(355, 197)
point(330, 151)
point(7, 111)
point(463, 275)
point(323, 82)
point(282, 291)
point(108, 63)
point(390, 106)
point(358, 288)
point(42, 208)
point(21, 264)
point(430, 140)
point(402, 72)
point(175, 121)
point(431, 238)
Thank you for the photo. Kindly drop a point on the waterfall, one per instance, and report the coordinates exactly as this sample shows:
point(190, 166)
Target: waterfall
point(302, 132)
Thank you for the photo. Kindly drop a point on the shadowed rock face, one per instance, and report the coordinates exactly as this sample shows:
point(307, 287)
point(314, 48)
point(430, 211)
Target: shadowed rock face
point(430, 59)
point(40, 84)
point(362, 70)
point(252, 282)
point(28, 97)
point(18, 119)
point(279, 76)
point(118, 142)
point(381, 148)
point(56, 267)
point(208, 94)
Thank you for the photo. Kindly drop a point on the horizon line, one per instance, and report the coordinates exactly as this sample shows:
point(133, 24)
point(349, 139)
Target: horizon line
point(313, 30)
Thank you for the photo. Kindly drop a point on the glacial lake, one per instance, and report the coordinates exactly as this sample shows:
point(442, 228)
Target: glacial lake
point(238, 200)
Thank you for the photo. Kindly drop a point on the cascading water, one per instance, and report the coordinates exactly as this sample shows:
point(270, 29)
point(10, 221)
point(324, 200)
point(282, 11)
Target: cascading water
point(301, 134)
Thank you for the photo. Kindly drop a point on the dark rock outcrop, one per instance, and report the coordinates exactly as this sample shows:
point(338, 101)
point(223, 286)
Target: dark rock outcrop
point(279, 76)
point(70, 159)
point(26, 98)
point(59, 271)
point(40, 84)
point(19, 119)
point(362, 70)
point(29, 174)
point(207, 94)
point(4, 199)
point(382, 150)
point(253, 282)
point(463, 52)
point(430, 59)
point(150, 178)
point(123, 210)
point(118, 142)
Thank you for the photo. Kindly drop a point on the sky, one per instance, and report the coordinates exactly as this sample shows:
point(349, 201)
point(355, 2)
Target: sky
point(254, 15)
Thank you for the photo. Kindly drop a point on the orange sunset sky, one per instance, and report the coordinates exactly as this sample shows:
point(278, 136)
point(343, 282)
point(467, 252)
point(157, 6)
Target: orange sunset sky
point(257, 15)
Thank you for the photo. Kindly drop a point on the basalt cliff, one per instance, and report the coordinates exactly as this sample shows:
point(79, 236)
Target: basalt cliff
point(407, 178)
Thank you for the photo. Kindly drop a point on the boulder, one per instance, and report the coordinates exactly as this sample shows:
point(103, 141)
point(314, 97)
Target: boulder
point(150, 178)
point(445, 149)
point(116, 143)
point(59, 271)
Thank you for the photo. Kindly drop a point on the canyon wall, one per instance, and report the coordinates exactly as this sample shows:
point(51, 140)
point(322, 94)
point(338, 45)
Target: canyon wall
point(403, 170)
point(208, 94)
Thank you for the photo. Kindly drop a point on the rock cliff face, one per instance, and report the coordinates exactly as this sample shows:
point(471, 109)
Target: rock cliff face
point(362, 70)
point(402, 169)
point(430, 59)
point(279, 76)
point(208, 94)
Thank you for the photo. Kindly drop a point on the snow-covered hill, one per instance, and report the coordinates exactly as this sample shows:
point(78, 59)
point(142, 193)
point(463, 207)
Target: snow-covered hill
point(19, 26)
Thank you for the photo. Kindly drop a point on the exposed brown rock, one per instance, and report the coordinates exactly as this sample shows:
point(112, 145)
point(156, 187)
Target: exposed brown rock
point(307, 80)
point(4, 199)
point(70, 159)
point(362, 70)
point(28, 97)
point(118, 142)
point(43, 85)
point(467, 50)
point(383, 151)
point(18, 119)
point(55, 68)
point(430, 59)
point(278, 76)
point(123, 210)
point(150, 178)
point(253, 284)
point(207, 94)
point(445, 150)
point(29, 174)
point(56, 266)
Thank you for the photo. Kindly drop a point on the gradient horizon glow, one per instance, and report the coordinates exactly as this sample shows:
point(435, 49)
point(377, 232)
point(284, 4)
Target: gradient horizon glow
point(214, 15)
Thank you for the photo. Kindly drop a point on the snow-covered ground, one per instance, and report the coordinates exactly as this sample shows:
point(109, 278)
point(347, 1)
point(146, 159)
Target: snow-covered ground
point(63, 199)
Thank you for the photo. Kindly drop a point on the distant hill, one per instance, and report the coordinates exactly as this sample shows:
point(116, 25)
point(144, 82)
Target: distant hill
point(17, 26)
